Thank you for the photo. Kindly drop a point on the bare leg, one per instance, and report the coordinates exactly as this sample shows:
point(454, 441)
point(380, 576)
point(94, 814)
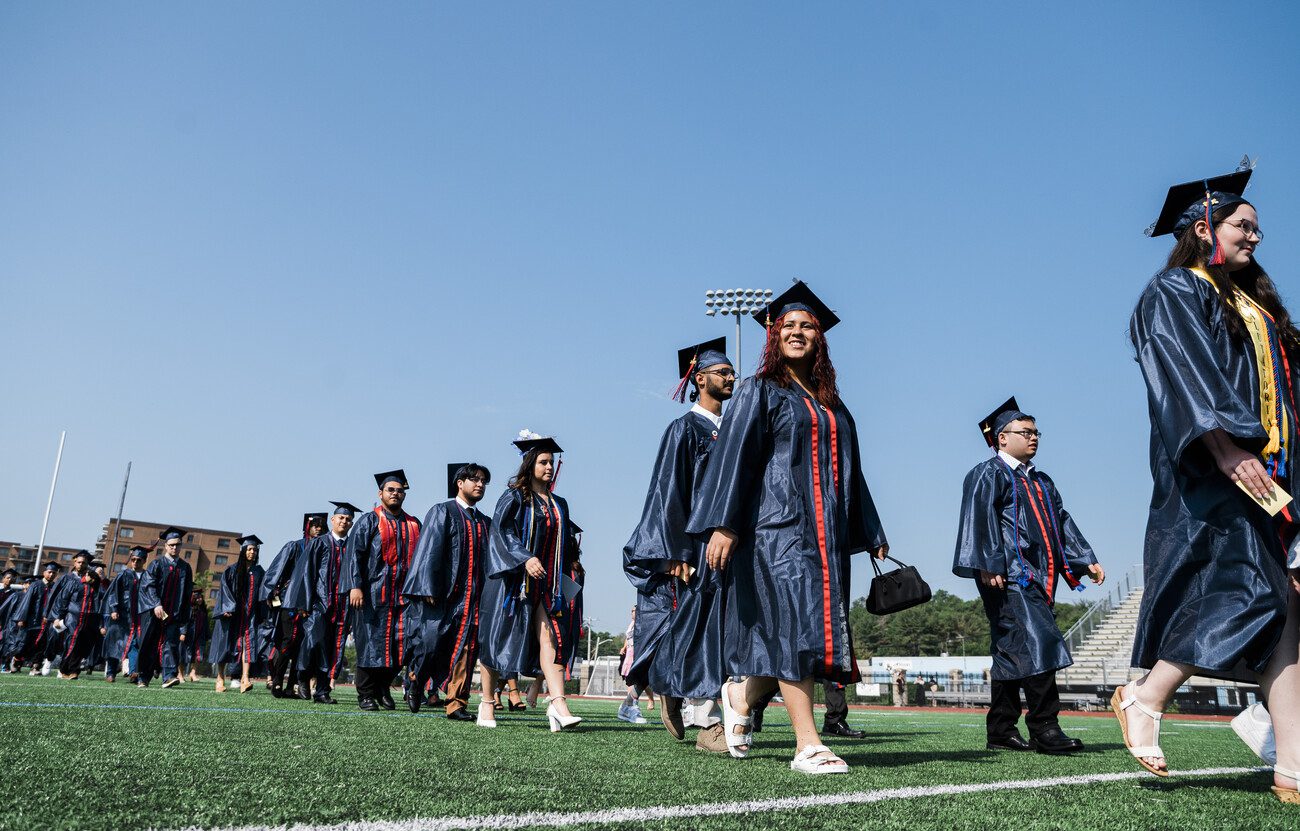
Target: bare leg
point(488, 678)
point(798, 703)
point(743, 697)
point(650, 698)
point(221, 678)
point(553, 673)
point(1155, 690)
point(1280, 683)
point(243, 678)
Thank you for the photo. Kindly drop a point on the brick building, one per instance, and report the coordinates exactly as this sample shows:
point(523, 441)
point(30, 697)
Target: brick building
point(22, 558)
point(205, 549)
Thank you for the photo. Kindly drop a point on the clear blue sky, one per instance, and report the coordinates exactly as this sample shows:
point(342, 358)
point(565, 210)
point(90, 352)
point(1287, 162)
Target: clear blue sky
point(264, 250)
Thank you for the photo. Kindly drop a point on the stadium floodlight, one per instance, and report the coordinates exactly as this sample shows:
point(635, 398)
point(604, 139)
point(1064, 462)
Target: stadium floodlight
point(736, 303)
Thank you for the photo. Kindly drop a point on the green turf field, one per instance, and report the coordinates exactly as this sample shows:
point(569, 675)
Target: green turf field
point(87, 755)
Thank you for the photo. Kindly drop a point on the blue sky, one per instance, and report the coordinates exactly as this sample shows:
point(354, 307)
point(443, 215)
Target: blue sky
point(264, 251)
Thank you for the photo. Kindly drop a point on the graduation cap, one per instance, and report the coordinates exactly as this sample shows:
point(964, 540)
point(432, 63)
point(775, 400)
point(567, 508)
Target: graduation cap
point(694, 358)
point(996, 421)
point(97, 563)
point(137, 551)
point(1190, 201)
point(314, 518)
point(398, 476)
point(82, 553)
point(797, 298)
point(171, 533)
point(345, 508)
point(532, 441)
point(247, 540)
point(52, 566)
point(9, 571)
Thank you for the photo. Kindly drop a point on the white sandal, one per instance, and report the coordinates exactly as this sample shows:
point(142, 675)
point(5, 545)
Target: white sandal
point(1118, 704)
point(490, 720)
point(1291, 795)
point(811, 761)
point(731, 720)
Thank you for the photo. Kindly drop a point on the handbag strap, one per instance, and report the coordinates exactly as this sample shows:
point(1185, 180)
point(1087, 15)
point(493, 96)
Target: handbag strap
point(875, 563)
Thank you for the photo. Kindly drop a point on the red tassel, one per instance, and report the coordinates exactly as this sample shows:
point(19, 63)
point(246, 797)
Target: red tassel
point(679, 394)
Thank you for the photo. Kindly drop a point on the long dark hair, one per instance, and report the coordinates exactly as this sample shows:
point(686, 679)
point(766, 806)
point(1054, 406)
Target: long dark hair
point(523, 478)
point(774, 367)
point(1191, 250)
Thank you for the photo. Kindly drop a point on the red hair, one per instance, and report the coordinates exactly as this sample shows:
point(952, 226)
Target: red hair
point(774, 367)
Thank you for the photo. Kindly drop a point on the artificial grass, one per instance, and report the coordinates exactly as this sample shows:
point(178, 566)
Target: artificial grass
point(88, 755)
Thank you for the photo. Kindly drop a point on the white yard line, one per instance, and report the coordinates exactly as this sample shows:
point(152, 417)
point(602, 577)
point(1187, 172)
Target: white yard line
point(625, 816)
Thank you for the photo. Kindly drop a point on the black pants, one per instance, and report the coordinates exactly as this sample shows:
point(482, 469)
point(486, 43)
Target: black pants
point(1041, 696)
point(374, 682)
point(288, 640)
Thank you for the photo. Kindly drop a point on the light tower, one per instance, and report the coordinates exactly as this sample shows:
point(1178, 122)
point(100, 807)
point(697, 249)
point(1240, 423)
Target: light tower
point(736, 302)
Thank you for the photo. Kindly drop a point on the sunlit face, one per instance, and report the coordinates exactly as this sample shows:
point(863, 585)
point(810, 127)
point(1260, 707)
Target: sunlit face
point(79, 564)
point(172, 547)
point(6, 580)
point(341, 524)
point(392, 495)
point(137, 563)
point(1020, 439)
point(544, 467)
point(1238, 235)
point(250, 553)
point(718, 381)
point(471, 490)
point(798, 336)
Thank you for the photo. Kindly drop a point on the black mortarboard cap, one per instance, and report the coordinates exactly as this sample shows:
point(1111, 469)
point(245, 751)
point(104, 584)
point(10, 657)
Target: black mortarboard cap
point(12, 571)
point(345, 508)
point(1185, 203)
point(247, 540)
point(172, 532)
point(52, 566)
point(97, 562)
point(994, 422)
point(398, 476)
point(797, 298)
point(82, 553)
point(137, 551)
point(545, 444)
point(702, 356)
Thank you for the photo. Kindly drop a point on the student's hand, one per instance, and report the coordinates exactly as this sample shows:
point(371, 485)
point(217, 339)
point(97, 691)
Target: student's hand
point(158, 612)
point(994, 581)
point(721, 545)
point(103, 631)
point(59, 626)
point(182, 637)
point(1097, 573)
point(882, 552)
point(534, 568)
point(356, 599)
point(430, 599)
point(22, 624)
point(678, 569)
point(1237, 464)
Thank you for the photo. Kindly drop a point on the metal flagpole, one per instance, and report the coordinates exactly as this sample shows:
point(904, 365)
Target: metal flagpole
point(40, 548)
point(117, 526)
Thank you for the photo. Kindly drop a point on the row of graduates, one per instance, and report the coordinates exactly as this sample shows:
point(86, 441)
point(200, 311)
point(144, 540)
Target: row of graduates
point(81, 620)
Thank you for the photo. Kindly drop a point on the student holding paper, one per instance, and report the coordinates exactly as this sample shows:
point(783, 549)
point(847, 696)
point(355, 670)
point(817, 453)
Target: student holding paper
point(1219, 353)
point(783, 507)
point(1018, 542)
point(534, 550)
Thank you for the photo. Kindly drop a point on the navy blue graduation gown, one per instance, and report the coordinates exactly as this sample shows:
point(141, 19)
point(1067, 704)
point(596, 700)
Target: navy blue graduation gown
point(237, 616)
point(28, 640)
point(285, 578)
point(1016, 525)
point(197, 633)
point(448, 566)
point(9, 598)
point(119, 600)
point(522, 527)
point(75, 602)
point(675, 659)
point(1214, 562)
point(786, 476)
point(166, 583)
point(316, 585)
point(378, 627)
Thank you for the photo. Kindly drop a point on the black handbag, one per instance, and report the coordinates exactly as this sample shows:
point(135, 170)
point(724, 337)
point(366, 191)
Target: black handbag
point(894, 591)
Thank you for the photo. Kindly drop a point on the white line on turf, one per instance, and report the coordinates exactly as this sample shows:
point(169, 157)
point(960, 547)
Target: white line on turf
point(562, 819)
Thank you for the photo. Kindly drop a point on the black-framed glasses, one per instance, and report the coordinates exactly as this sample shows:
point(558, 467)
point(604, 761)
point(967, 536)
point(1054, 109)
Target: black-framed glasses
point(395, 490)
point(1248, 228)
point(478, 479)
point(1026, 434)
point(724, 374)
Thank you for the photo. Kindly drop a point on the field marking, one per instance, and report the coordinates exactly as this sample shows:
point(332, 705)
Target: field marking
point(400, 713)
point(563, 819)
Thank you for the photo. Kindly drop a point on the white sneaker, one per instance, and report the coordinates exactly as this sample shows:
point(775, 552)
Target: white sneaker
point(1254, 726)
point(631, 714)
point(45, 669)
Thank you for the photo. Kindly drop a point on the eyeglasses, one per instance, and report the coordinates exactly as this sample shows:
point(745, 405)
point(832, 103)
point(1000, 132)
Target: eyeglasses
point(1248, 228)
point(477, 479)
point(395, 490)
point(1027, 434)
point(724, 374)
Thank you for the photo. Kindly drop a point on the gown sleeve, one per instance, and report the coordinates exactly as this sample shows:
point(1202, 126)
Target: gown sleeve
point(59, 599)
point(661, 535)
point(226, 594)
point(356, 558)
point(1187, 389)
point(425, 577)
point(280, 571)
point(507, 552)
point(735, 463)
point(147, 599)
point(184, 607)
point(980, 546)
point(865, 530)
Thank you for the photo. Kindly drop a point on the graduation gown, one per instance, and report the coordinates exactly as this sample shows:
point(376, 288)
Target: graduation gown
point(237, 616)
point(522, 527)
point(120, 599)
point(197, 633)
point(786, 476)
point(448, 566)
point(316, 584)
point(167, 583)
point(1014, 523)
point(75, 603)
point(677, 658)
point(28, 641)
point(9, 598)
point(378, 627)
point(1214, 562)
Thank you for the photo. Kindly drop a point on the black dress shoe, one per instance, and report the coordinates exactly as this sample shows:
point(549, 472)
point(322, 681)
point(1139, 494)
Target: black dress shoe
point(459, 715)
point(1012, 742)
point(1053, 741)
point(842, 729)
point(386, 701)
point(367, 704)
point(324, 698)
point(304, 692)
point(277, 691)
point(412, 702)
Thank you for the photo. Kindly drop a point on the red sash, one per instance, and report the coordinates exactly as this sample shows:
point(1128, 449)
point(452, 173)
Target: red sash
point(390, 533)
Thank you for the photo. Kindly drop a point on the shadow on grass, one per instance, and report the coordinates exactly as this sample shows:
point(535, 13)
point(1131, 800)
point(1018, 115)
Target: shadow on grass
point(1242, 783)
point(894, 759)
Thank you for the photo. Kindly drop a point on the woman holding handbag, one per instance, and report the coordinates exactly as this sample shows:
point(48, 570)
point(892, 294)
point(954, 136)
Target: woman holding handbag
point(783, 506)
